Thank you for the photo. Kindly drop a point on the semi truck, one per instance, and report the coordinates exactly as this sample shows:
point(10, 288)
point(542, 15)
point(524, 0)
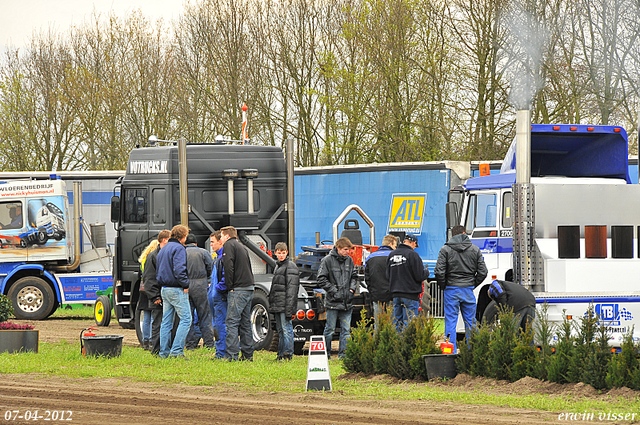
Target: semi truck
point(229, 184)
point(568, 232)
point(42, 264)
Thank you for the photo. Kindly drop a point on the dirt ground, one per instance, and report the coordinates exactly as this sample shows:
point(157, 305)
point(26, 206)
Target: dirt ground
point(119, 401)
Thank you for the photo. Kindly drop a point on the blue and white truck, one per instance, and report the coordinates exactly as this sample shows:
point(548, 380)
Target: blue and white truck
point(568, 230)
point(41, 261)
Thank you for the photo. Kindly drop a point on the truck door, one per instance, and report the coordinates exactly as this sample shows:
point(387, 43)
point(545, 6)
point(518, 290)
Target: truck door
point(135, 228)
point(481, 222)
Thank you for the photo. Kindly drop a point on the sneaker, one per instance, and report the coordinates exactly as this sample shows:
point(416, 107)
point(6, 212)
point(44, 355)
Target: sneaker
point(246, 359)
point(181, 357)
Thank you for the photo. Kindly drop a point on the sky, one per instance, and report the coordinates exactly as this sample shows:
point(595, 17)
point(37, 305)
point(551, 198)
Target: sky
point(20, 18)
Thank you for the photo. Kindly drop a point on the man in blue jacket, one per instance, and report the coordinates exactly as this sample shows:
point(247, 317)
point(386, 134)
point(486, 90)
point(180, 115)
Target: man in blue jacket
point(406, 272)
point(219, 298)
point(172, 276)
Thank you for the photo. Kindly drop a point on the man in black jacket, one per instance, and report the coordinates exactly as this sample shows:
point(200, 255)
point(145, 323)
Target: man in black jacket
point(515, 296)
point(240, 284)
point(406, 272)
point(459, 269)
point(375, 276)
point(152, 290)
point(338, 277)
point(283, 299)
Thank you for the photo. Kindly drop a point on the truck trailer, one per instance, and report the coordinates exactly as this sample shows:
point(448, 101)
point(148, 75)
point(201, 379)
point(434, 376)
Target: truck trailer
point(42, 264)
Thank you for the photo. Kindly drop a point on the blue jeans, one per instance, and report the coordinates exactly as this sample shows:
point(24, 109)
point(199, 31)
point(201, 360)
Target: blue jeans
point(330, 327)
point(146, 325)
point(404, 310)
point(285, 335)
point(174, 301)
point(238, 323)
point(220, 316)
point(458, 300)
point(378, 309)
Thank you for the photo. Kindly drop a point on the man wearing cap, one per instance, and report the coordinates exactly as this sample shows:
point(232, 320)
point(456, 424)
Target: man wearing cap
point(459, 269)
point(515, 296)
point(406, 272)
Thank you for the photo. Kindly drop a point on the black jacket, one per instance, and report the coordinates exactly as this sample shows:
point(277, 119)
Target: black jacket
point(512, 294)
point(283, 297)
point(151, 285)
point(338, 277)
point(375, 275)
point(406, 272)
point(237, 266)
point(460, 263)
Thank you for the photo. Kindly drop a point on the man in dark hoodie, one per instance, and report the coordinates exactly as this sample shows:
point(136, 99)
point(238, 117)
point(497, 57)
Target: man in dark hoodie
point(459, 269)
point(406, 272)
point(515, 296)
point(375, 276)
point(338, 277)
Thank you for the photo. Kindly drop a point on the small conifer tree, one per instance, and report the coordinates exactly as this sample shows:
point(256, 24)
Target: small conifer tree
point(524, 355)
point(359, 352)
point(558, 365)
point(502, 344)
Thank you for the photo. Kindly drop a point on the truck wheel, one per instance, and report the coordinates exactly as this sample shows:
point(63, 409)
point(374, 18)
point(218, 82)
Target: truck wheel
point(139, 319)
point(260, 321)
point(41, 237)
point(102, 311)
point(32, 298)
point(23, 243)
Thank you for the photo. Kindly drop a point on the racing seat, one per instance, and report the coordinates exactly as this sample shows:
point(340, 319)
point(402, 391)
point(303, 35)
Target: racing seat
point(352, 231)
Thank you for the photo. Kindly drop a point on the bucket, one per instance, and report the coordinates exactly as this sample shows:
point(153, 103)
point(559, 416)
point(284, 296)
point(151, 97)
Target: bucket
point(440, 366)
point(102, 345)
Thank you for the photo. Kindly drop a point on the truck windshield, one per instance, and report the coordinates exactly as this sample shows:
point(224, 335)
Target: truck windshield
point(135, 205)
point(482, 211)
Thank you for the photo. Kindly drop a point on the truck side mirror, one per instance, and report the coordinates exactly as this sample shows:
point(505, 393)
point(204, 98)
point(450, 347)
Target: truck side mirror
point(115, 209)
point(451, 209)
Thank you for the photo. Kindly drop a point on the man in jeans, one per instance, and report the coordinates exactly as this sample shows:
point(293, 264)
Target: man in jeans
point(406, 272)
point(172, 276)
point(239, 280)
point(459, 269)
point(219, 298)
point(338, 277)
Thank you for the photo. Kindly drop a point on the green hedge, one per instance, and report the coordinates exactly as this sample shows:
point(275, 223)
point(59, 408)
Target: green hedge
point(501, 351)
point(6, 308)
point(386, 351)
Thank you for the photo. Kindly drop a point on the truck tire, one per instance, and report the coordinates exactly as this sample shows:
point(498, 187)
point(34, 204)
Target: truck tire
point(41, 237)
point(138, 320)
point(32, 298)
point(261, 321)
point(102, 311)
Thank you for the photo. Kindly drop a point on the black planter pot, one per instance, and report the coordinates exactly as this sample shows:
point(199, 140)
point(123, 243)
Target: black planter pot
point(440, 366)
point(16, 341)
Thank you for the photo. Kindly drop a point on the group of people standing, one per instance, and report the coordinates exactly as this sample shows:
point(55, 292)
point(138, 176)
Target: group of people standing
point(210, 296)
point(180, 279)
